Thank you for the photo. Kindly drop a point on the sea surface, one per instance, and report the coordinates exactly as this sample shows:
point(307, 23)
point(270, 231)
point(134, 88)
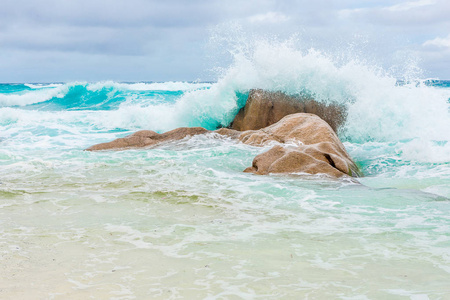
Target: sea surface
point(182, 221)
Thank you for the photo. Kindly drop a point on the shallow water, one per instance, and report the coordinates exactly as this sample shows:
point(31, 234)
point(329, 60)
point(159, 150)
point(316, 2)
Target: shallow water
point(183, 220)
point(187, 222)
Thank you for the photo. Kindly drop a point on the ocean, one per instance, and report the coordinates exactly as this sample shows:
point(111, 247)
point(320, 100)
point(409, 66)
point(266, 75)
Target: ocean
point(182, 221)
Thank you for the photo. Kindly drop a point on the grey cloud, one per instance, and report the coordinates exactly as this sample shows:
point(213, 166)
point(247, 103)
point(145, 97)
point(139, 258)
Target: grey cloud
point(172, 13)
point(114, 27)
point(164, 39)
point(416, 13)
point(78, 39)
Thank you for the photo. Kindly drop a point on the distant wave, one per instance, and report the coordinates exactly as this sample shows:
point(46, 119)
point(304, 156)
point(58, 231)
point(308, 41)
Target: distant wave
point(42, 85)
point(87, 93)
point(27, 97)
point(154, 86)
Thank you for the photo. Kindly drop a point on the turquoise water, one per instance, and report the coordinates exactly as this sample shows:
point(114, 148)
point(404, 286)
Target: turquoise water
point(184, 221)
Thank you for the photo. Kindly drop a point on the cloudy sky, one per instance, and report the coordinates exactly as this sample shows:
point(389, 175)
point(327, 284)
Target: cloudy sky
point(148, 40)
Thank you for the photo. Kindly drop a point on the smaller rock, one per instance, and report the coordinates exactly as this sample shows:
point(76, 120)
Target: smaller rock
point(234, 134)
point(148, 138)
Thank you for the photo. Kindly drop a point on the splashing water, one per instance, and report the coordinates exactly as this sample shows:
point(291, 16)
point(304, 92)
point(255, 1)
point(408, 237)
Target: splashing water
point(184, 221)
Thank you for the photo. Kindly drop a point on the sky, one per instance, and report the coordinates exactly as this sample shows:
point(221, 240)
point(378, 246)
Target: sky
point(147, 40)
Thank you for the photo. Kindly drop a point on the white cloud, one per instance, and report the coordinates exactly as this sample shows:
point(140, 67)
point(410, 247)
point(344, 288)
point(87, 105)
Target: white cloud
point(405, 14)
point(409, 5)
point(401, 7)
point(436, 55)
point(346, 13)
point(270, 17)
point(438, 43)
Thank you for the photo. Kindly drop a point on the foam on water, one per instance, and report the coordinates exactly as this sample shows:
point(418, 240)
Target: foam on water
point(42, 85)
point(154, 86)
point(379, 109)
point(188, 214)
point(34, 96)
point(406, 121)
point(183, 220)
point(28, 94)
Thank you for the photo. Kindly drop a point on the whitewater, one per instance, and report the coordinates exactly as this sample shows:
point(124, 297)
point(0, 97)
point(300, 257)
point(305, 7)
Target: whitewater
point(183, 221)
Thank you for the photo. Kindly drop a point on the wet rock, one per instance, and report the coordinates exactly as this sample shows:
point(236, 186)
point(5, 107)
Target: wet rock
point(264, 108)
point(303, 143)
point(148, 138)
point(311, 146)
point(234, 134)
point(295, 160)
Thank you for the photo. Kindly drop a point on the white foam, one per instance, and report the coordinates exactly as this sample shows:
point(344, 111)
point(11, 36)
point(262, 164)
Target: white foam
point(440, 190)
point(424, 150)
point(378, 108)
point(413, 295)
point(42, 85)
point(44, 92)
point(34, 96)
point(154, 86)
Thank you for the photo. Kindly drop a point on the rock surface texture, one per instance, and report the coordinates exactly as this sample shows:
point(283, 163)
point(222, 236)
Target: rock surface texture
point(306, 144)
point(148, 138)
point(265, 108)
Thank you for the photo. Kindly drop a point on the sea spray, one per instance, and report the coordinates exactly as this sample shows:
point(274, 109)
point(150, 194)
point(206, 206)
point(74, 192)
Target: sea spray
point(183, 220)
point(379, 109)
